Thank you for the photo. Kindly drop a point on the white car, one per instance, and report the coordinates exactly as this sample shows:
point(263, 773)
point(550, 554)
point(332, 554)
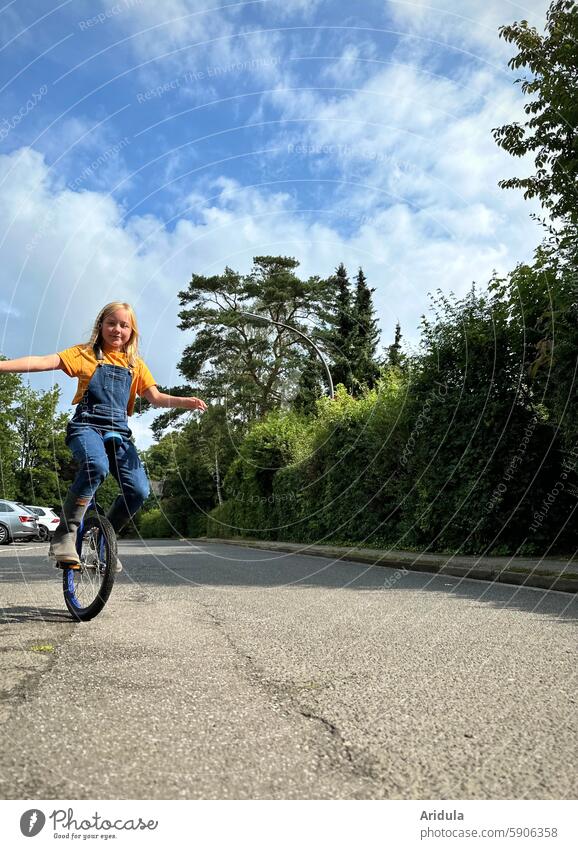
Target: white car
point(16, 523)
point(47, 520)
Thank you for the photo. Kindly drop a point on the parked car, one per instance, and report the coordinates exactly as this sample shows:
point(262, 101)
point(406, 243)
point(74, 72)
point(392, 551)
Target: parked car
point(16, 522)
point(47, 520)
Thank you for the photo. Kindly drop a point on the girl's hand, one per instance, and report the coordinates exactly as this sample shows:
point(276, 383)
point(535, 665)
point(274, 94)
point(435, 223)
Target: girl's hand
point(193, 403)
point(161, 399)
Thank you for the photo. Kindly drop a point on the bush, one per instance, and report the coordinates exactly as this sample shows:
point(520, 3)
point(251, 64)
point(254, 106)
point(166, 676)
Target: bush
point(252, 507)
point(219, 522)
point(155, 525)
point(436, 456)
point(197, 525)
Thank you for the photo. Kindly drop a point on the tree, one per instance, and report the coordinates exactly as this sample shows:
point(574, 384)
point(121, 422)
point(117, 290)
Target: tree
point(43, 461)
point(550, 131)
point(191, 464)
point(339, 331)
point(310, 386)
point(366, 336)
point(350, 331)
point(202, 454)
point(10, 387)
point(541, 304)
point(249, 366)
point(394, 355)
point(542, 299)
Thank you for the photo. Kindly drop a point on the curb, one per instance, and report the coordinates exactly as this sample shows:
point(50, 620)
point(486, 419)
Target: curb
point(489, 571)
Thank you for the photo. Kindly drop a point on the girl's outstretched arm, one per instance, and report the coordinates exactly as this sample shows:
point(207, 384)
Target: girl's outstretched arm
point(28, 364)
point(160, 399)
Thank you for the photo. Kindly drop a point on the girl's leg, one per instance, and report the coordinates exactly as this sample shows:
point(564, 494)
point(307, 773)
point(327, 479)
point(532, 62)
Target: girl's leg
point(133, 482)
point(88, 450)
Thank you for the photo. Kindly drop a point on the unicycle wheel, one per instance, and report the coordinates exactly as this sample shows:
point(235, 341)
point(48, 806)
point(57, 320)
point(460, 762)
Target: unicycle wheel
point(86, 590)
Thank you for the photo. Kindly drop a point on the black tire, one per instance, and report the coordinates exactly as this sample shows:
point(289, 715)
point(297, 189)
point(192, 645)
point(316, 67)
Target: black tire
point(43, 533)
point(4, 535)
point(87, 590)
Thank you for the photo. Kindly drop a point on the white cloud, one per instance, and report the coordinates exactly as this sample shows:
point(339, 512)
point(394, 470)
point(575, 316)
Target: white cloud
point(408, 188)
point(409, 135)
point(351, 67)
point(8, 309)
point(210, 45)
point(64, 254)
point(466, 26)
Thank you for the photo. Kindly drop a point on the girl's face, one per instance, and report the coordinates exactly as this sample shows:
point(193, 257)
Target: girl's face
point(116, 329)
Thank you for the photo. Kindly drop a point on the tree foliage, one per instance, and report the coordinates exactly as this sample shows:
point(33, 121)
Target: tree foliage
point(36, 463)
point(549, 134)
point(337, 332)
point(349, 331)
point(249, 365)
point(10, 387)
point(469, 445)
point(367, 334)
point(454, 453)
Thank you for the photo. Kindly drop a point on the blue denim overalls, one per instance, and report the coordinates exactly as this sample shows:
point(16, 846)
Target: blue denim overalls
point(102, 408)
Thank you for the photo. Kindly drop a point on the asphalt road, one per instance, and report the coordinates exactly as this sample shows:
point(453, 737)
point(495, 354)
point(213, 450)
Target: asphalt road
point(224, 672)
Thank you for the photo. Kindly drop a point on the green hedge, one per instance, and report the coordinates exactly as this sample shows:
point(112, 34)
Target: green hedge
point(463, 448)
point(155, 525)
point(394, 469)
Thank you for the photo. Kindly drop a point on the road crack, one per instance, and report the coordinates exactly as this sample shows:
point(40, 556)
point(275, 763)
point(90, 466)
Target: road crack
point(286, 696)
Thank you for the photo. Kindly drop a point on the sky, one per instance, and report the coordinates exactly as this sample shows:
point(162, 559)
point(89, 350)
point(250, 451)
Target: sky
point(144, 141)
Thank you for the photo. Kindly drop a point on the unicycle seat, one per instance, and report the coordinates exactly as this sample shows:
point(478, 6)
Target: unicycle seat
point(112, 442)
point(112, 434)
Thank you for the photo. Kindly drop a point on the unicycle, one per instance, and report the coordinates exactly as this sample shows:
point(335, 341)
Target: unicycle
point(87, 590)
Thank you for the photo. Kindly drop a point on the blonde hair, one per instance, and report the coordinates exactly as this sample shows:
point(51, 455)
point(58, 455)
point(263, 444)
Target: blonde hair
point(131, 347)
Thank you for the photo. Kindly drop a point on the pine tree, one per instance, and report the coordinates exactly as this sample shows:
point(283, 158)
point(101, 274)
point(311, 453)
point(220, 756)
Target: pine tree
point(366, 336)
point(339, 337)
point(310, 387)
point(246, 362)
point(394, 351)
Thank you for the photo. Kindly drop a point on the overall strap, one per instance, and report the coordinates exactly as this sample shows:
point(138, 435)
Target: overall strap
point(100, 357)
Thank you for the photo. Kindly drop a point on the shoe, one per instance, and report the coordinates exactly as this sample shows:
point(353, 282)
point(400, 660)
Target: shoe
point(61, 564)
point(117, 565)
point(63, 544)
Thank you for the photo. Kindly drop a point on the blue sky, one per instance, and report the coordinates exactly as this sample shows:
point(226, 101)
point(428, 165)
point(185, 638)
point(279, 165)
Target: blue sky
point(143, 141)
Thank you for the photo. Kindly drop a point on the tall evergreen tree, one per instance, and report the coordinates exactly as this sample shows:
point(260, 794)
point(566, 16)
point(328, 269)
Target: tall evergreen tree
point(394, 355)
point(310, 386)
point(366, 336)
point(339, 335)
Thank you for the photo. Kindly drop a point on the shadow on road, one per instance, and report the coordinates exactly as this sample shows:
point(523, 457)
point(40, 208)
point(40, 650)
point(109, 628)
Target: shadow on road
point(13, 615)
point(213, 565)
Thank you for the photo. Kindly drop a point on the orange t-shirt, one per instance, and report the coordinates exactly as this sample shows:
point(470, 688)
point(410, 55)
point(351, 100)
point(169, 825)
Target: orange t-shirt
point(80, 361)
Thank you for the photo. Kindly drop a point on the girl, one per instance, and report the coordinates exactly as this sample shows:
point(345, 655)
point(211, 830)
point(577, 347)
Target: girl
point(110, 375)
